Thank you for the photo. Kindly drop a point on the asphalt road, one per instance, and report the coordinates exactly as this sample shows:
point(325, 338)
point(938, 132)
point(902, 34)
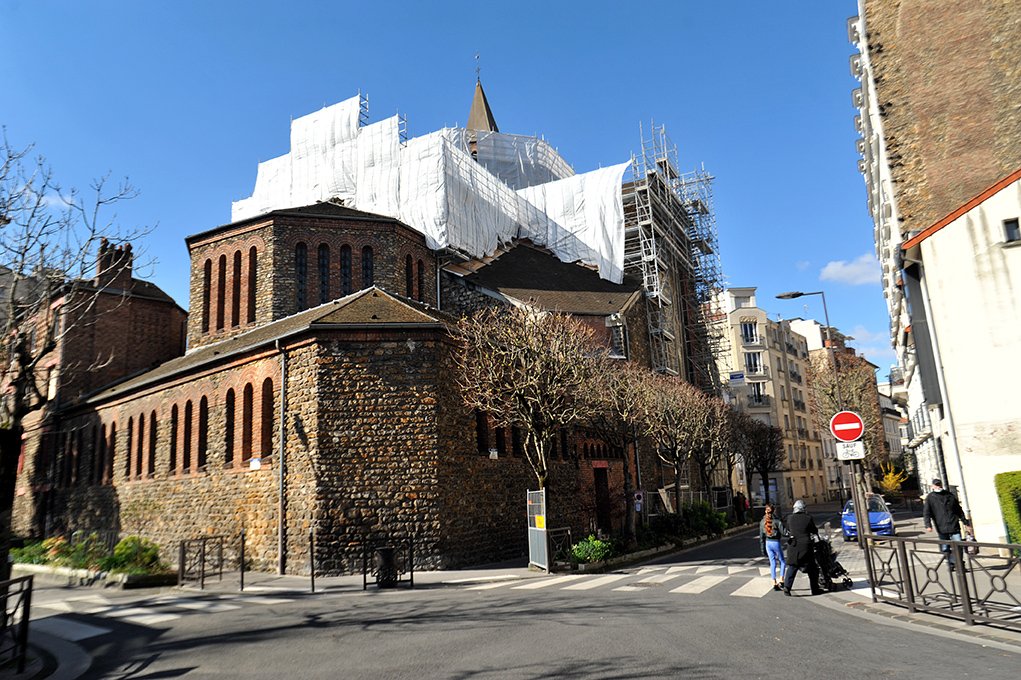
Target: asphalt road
point(704, 613)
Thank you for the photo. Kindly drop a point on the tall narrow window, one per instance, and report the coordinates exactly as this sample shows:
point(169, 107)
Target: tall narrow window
point(150, 468)
point(207, 282)
point(203, 438)
point(301, 274)
point(482, 432)
point(501, 441)
point(1011, 230)
point(246, 423)
point(366, 267)
point(127, 453)
point(345, 270)
point(421, 281)
point(409, 277)
point(140, 452)
point(221, 290)
point(79, 453)
point(228, 429)
point(186, 443)
point(266, 440)
point(173, 438)
point(235, 291)
point(516, 446)
point(110, 454)
point(252, 264)
point(324, 273)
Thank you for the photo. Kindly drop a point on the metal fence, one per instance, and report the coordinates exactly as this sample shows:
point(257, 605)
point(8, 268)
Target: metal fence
point(966, 580)
point(16, 595)
point(107, 538)
point(199, 559)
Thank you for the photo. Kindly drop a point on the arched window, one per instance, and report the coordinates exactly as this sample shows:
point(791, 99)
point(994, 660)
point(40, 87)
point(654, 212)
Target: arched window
point(151, 466)
point(324, 273)
point(140, 452)
point(252, 263)
point(173, 438)
point(301, 274)
point(421, 281)
point(345, 270)
point(235, 291)
point(221, 290)
point(186, 443)
point(127, 456)
point(266, 440)
point(366, 267)
point(482, 432)
point(228, 429)
point(409, 277)
point(246, 423)
point(110, 454)
point(200, 458)
point(207, 282)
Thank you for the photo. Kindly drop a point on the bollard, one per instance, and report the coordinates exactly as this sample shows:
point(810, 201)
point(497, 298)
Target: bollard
point(242, 559)
point(312, 557)
point(386, 567)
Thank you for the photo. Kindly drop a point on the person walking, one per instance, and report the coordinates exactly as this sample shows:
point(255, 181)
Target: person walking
point(740, 506)
point(800, 551)
point(771, 531)
point(943, 510)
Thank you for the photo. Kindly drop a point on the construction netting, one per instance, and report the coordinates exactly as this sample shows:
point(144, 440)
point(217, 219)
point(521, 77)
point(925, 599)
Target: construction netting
point(469, 190)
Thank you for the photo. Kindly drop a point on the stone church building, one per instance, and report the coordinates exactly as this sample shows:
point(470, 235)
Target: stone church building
point(318, 391)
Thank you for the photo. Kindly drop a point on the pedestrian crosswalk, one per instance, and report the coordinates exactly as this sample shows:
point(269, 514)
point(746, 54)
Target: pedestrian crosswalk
point(51, 617)
point(745, 578)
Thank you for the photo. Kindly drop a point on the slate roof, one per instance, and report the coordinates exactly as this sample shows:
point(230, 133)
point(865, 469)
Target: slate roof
point(525, 273)
point(372, 307)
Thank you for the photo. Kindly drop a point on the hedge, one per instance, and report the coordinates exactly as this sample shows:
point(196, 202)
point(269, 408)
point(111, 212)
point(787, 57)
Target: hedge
point(1008, 488)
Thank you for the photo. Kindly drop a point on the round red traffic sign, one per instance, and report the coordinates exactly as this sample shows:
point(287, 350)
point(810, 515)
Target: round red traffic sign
point(847, 426)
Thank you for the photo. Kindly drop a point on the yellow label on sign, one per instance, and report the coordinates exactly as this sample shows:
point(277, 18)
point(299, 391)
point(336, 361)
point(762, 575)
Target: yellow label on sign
point(540, 522)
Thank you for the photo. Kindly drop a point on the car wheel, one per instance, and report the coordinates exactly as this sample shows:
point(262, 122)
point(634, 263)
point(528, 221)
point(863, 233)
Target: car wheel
point(847, 539)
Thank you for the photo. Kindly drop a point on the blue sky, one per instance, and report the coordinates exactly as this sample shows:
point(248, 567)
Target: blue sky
point(185, 98)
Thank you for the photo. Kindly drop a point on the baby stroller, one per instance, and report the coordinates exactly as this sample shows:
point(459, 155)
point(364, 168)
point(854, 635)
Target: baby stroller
point(829, 569)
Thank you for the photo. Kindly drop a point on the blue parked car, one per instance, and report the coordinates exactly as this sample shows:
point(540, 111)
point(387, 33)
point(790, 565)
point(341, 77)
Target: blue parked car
point(880, 519)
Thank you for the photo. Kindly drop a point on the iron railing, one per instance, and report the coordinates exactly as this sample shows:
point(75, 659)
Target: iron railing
point(16, 595)
point(918, 573)
point(199, 559)
point(559, 545)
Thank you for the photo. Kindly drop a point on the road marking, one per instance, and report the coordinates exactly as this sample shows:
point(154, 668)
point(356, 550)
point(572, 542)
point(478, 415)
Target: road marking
point(59, 606)
point(543, 583)
point(679, 570)
point(206, 606)
point(702, 570)
point(763, 571)
point(490, 586)
point(649, 570)
point(595, 583)
point(662, 578)
point(487, 579)
point(141, 615)
point(756, 587)
point(263, 600)
point(700, 585)
point(737, 570)
point(72, 631)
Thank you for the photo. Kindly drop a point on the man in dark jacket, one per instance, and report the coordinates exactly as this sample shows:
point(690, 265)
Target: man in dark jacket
point(943, 510)
point(800, 549)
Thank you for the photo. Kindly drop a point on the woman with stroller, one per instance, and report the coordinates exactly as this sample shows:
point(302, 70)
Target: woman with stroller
point(800, 553)
point(771, 532)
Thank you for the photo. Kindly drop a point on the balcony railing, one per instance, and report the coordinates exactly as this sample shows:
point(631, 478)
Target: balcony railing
point(803, 433)
point(795, 377)
point(756, 371)
point(799, 405)
point(751, 340)
point(759, 400)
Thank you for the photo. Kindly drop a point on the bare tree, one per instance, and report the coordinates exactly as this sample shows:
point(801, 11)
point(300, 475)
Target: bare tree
point(763, 451)
point(525, 368)
point(48, 241)
point(677, 422)
point(617, 393)
point(709, 453)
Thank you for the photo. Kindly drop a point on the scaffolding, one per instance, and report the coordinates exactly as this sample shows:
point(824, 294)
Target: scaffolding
point(670, 244)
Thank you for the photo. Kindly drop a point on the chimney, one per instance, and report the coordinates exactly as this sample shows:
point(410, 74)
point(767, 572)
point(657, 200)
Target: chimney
point(113, 266)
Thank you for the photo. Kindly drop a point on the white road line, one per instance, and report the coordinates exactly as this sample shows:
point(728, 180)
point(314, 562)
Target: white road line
point(204, 606)
point(662, 578)
point(151, 619)
point(737, 570)
point(59, 606)
point(546, 582)
point(702, 570)
point(764, 571)
point(649, 570)
point(72, 631)
point(595, 583)
point(679, 570)
point(263, 600)
point(490, 586)
point(700, 585)
point(756, 587)
point(476, 579)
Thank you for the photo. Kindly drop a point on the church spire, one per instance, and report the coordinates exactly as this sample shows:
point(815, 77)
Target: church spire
point(481, 117)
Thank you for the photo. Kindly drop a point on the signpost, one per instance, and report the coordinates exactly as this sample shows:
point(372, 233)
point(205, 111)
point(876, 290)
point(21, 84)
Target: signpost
point(847, 426)
point(850, 451)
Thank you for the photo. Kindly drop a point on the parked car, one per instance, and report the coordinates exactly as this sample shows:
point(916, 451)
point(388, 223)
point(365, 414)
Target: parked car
point(880, 519)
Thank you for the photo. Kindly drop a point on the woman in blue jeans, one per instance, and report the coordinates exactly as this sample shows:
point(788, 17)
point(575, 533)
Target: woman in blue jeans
point(771, 533)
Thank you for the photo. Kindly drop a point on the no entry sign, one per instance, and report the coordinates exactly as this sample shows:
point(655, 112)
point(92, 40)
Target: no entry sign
point(847, 426)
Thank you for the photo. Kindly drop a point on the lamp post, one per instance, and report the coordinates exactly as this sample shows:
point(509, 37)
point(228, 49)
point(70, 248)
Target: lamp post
point(860, 509)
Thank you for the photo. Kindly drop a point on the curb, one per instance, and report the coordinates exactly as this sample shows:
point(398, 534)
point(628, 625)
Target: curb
point(92, 578)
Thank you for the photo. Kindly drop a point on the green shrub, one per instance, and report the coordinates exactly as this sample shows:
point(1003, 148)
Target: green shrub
point(592, 550)
point(1008, 488)
point(134, 555)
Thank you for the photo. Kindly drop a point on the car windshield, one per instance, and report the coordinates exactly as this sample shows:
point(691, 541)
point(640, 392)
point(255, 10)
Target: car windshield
point(875, 505)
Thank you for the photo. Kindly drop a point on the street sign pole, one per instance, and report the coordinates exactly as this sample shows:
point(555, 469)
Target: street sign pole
point(848, 427)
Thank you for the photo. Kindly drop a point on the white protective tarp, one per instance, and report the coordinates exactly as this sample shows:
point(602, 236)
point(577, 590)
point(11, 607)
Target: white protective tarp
point(518, 187)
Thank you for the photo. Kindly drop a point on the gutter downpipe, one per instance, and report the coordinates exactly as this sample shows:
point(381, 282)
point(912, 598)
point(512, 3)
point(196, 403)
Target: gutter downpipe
point(281, 539)
point(944, 395)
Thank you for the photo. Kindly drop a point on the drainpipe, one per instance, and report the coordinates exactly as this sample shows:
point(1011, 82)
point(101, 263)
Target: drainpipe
point(281, 539)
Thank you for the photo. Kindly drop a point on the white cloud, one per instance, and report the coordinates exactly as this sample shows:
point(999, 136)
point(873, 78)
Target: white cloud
point(862, 271)
point(803, 265)
point(862, 334)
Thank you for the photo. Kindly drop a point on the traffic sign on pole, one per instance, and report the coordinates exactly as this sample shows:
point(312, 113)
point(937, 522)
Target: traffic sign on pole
point(850, 451)
point(847, 426)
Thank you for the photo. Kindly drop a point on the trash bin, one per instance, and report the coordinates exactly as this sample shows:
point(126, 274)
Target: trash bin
point(386, 567)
